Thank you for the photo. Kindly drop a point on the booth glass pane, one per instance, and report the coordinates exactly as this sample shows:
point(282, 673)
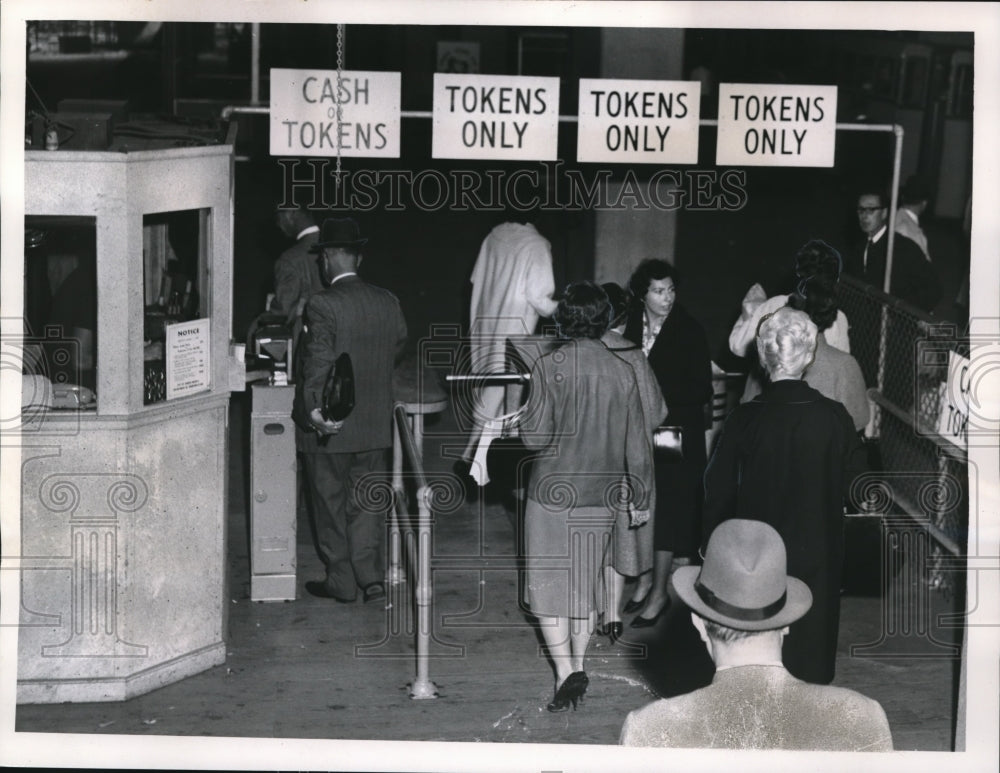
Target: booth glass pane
point(60, 311)
point(175, 286)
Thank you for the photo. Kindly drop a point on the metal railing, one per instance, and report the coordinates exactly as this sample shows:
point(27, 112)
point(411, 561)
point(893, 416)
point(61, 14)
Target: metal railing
point(417, 540)
point(903, 354)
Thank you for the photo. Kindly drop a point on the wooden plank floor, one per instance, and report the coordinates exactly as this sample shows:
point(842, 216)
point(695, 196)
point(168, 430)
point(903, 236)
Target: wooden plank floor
point(314, 668)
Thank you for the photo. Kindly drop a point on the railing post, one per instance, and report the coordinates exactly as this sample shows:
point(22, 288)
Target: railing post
point(422, 687)
point(395, 574)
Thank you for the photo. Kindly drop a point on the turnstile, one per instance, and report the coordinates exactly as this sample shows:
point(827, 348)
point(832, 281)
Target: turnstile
point(272, 494)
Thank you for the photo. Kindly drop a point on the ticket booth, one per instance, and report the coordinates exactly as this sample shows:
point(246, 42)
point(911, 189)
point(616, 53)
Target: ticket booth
point(128, 367)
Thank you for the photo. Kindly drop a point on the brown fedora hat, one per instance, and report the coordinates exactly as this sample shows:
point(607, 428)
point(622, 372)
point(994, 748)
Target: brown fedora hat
point(743, 583)
point(339, 232)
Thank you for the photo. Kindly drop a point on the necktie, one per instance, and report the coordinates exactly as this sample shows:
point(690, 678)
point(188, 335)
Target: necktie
point(868, 244)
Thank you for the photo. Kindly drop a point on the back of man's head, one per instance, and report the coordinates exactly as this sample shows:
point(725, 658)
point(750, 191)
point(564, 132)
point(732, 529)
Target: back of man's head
point(337, 260)
point(292, 221)
point(915, 194)
point(726, 635)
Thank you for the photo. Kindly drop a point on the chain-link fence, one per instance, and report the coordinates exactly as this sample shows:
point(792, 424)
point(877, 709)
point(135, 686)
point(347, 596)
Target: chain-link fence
point(903, 354)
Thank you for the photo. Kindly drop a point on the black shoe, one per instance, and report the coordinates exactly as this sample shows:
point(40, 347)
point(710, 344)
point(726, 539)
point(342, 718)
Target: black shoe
point(647, 622)
point(373, 592)
point(612, 630)
point(571, 691)
point(634, 606)
point(319, 589)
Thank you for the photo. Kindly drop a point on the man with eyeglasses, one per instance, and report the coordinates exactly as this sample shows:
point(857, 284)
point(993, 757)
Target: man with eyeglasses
point(914, 279)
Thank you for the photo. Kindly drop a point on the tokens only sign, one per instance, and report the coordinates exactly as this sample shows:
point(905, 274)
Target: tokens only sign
point(304, 113)
point(776, 125)
point(499, 117)
point(638, 121)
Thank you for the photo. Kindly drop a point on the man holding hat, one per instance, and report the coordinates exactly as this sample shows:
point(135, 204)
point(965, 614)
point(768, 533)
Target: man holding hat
point(367, 323)
point(742, 602)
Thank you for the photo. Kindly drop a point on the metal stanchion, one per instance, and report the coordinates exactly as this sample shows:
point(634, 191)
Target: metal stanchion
point(422, 687)
point(395, 574)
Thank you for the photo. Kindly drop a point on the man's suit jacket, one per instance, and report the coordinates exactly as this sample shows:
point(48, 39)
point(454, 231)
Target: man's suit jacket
point(296, 276)
point(761, 707)
point(366, 322)
point(914, 278)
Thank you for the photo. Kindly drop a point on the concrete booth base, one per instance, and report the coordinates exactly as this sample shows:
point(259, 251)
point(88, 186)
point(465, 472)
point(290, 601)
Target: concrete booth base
point(123, 587)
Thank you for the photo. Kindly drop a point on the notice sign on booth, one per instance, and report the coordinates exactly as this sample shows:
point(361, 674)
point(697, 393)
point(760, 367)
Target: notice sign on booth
point(776, 125)
point(639, 121)
point(187, 358)
point(304, 113)
point(499, 117)
point(953, 415)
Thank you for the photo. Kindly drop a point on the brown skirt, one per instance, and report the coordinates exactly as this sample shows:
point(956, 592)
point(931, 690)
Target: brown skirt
point(564, 550)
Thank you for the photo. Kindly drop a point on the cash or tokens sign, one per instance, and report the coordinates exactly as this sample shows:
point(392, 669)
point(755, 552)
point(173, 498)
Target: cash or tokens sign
point(304, 119)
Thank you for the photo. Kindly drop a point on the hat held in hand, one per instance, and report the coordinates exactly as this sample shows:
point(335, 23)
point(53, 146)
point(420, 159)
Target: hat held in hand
point(339, 232)
point(743, 583)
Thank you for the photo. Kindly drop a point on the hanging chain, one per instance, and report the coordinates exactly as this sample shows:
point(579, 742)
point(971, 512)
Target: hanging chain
point(340, 78)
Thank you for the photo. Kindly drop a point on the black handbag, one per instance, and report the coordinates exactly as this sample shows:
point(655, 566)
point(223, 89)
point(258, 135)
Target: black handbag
point(508, 458)
point(338, 390)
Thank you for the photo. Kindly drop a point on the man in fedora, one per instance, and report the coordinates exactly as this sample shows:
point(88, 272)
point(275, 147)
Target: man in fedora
point(367, 323)
point(742, 602)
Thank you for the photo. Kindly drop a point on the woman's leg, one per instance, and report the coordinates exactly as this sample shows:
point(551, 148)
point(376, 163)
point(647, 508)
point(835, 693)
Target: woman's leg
point(658, 597)
point(581, 629)
point(556, 633)
point(642, 587)
point(614, 586)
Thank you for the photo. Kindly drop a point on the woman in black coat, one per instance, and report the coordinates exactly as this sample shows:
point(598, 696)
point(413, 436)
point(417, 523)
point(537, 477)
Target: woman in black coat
point(677, 350)
point(788, 458)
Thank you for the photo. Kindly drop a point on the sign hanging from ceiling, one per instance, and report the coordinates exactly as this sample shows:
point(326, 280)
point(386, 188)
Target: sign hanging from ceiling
point(776, 125)
point(500, 117)
point(640, 121)
point(953, 415)
point(304, 113)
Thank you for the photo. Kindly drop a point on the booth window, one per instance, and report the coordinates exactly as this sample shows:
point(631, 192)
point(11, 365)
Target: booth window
point(60, 308)
point(175, 277)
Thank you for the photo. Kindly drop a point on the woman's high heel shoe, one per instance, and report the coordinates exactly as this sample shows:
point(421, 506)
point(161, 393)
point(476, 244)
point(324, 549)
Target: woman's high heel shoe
point(647, 622)
point(570, 691)
point(611, 630)
point(632, 605)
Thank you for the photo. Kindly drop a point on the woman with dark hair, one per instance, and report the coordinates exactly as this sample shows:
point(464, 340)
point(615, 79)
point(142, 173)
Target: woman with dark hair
point(788, 458)
point(677, 350)
point(632, 553)
point(584, 422)
point(816, 262)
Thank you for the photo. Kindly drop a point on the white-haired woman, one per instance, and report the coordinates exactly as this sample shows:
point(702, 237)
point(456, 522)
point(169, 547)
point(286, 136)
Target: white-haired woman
point(788, 458)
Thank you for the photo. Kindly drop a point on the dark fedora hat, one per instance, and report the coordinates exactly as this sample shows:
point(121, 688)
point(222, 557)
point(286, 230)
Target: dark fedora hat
point(339, 232)
point(743, 583)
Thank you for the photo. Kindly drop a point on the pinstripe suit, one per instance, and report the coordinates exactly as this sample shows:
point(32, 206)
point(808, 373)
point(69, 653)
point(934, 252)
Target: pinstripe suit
point(366, 322)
